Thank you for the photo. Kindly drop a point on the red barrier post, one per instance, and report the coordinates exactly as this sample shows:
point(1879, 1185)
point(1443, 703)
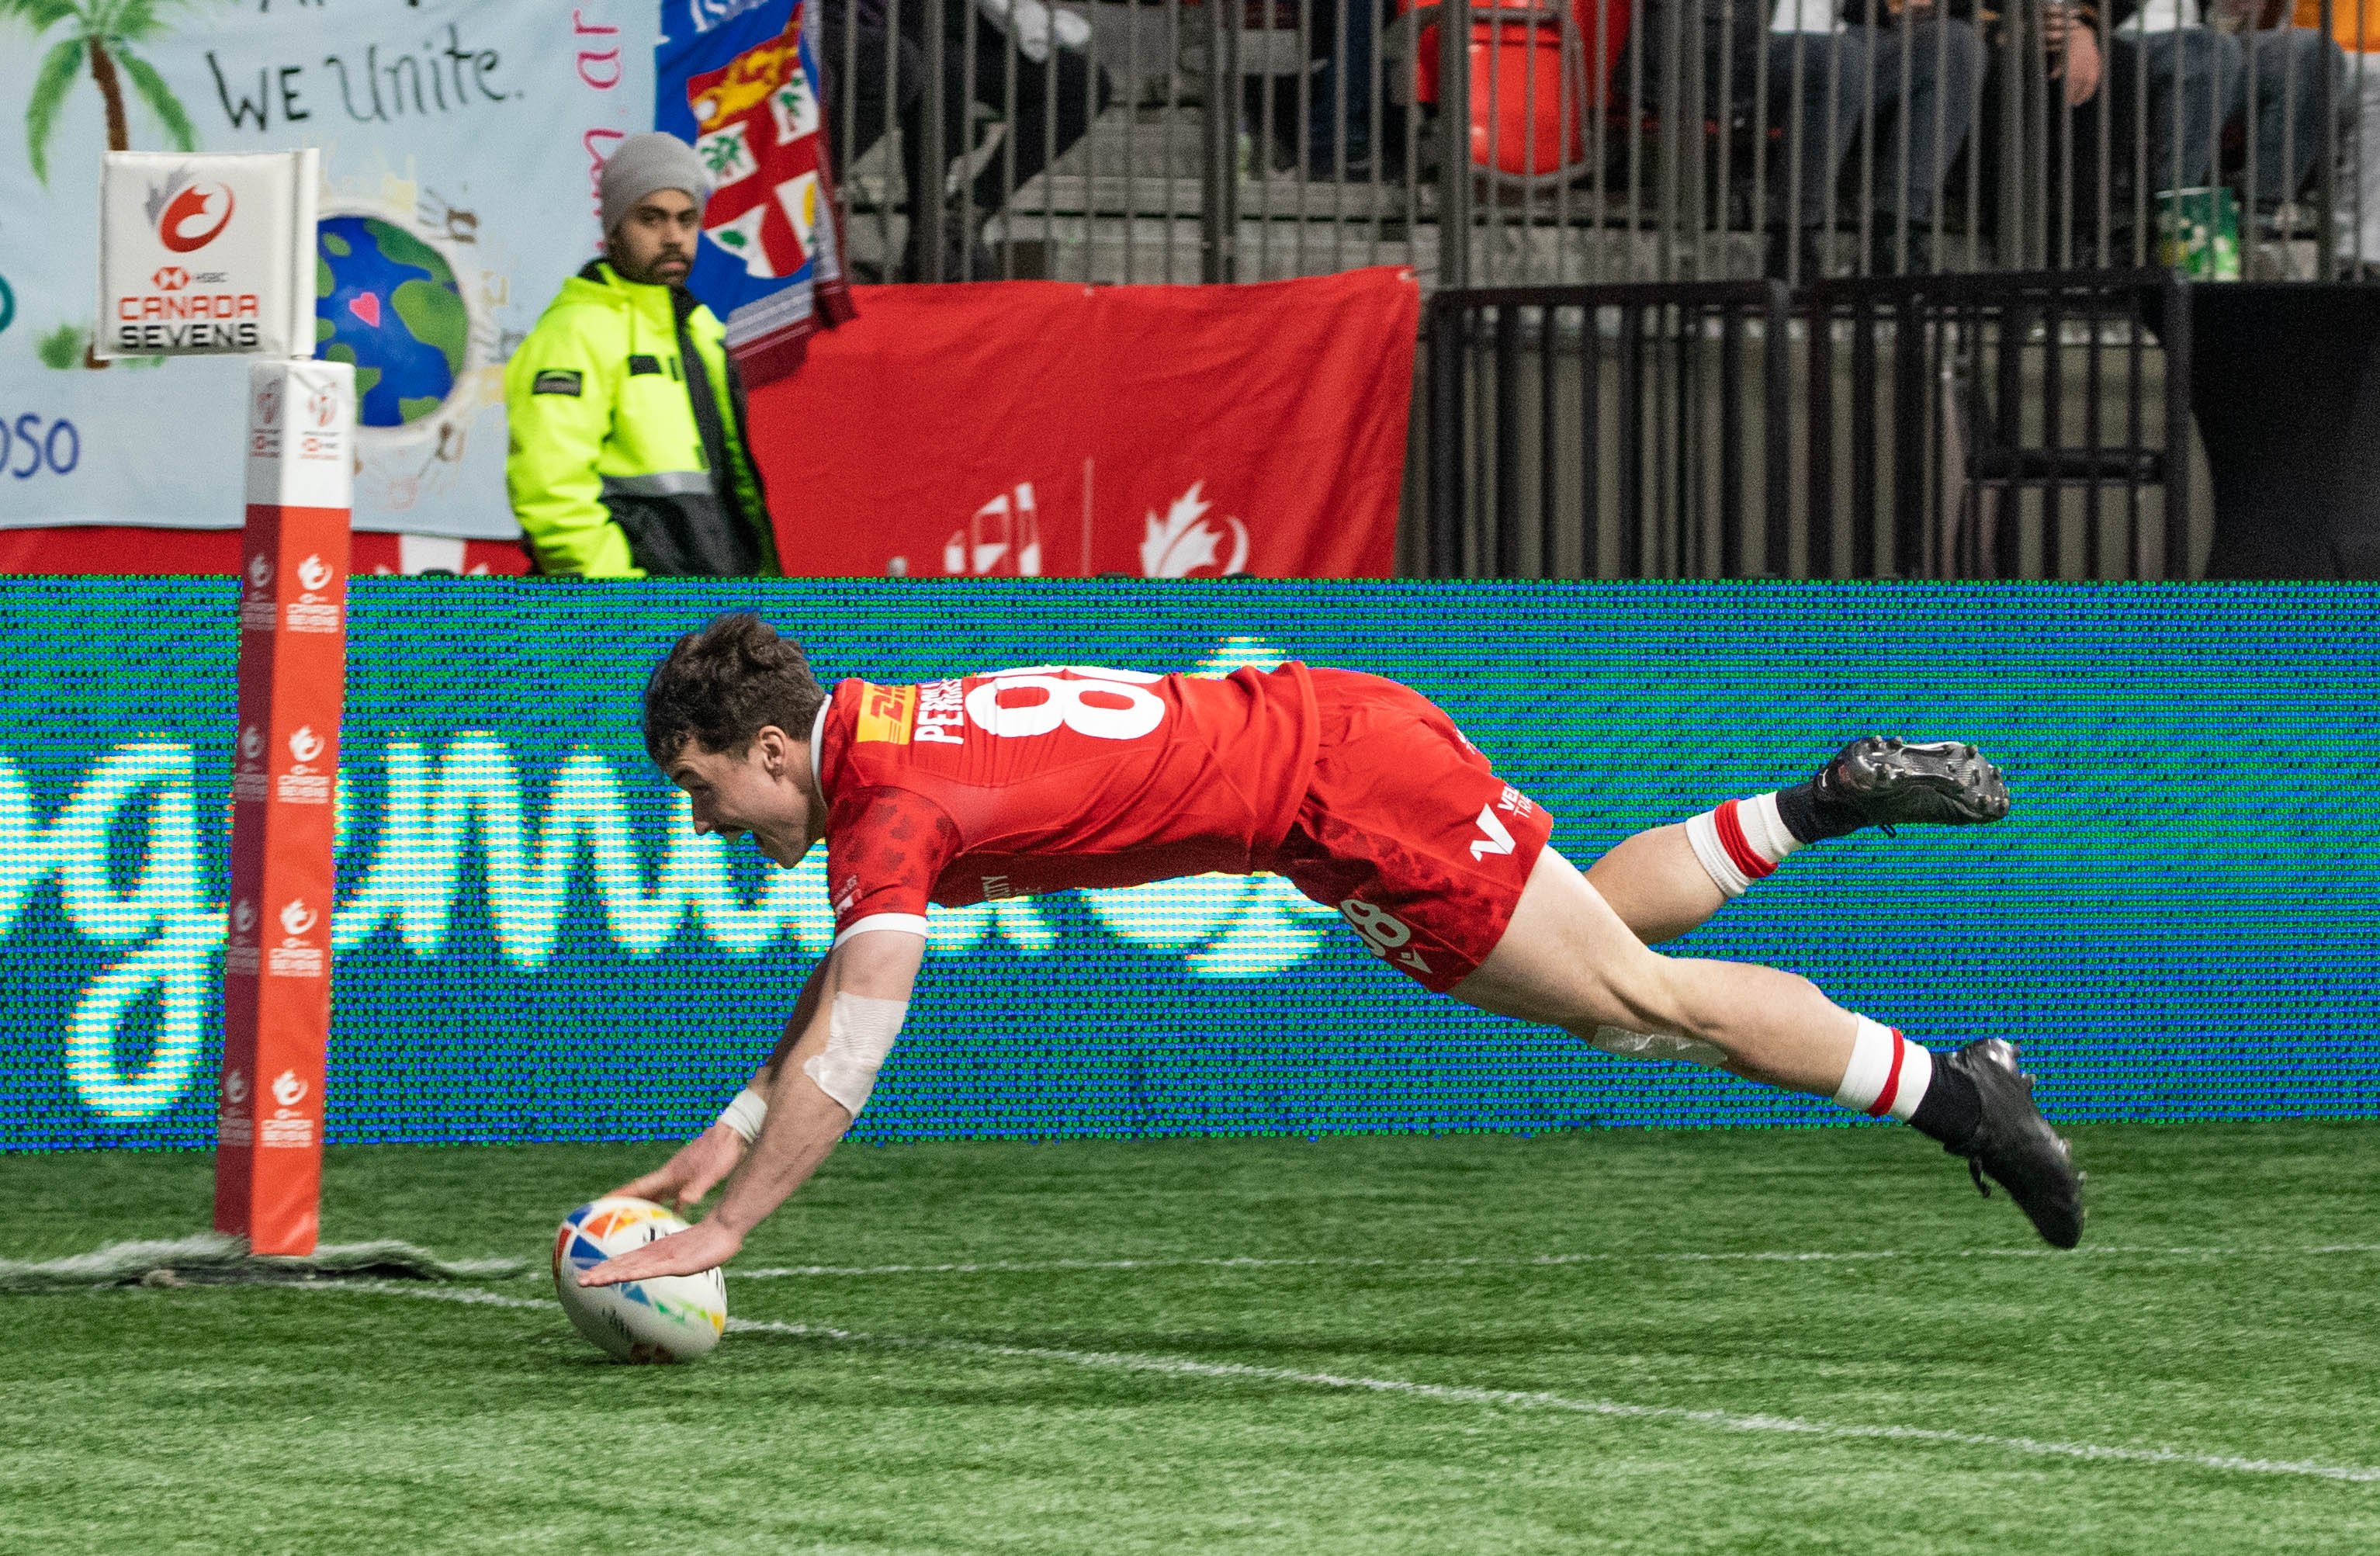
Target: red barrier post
point(292, 691)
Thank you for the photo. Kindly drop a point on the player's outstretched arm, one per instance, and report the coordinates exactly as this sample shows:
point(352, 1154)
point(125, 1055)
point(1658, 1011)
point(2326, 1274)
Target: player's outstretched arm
point(701, 1164)
point(819, 1086)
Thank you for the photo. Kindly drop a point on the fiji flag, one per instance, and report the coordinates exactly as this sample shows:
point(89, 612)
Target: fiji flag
point(738, 79)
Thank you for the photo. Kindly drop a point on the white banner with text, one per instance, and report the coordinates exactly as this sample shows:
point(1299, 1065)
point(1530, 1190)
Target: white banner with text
point(458, 142)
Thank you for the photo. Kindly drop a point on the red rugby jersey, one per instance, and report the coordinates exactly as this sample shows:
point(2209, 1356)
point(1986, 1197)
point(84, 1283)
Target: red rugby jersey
point(1018, 782)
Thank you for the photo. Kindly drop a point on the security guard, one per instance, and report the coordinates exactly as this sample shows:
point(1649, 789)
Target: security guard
point(629, 454)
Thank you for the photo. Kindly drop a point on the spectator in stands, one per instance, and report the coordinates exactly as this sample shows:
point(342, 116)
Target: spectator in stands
point(1904, 77)
point(2163, 49)
point(2357, 31)
point(1339, 111)
point(1029, 66)
point(1839, 70)
point(1321, 121)
point(628, 453)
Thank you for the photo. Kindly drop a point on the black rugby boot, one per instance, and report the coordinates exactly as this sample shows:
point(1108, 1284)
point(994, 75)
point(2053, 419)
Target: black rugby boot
point(1882, 781)
point(2015, 1144)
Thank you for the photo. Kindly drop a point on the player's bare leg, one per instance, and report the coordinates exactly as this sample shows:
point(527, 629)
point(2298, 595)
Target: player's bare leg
point(1567, 959)
point(1671, 879)
point(1652, 881)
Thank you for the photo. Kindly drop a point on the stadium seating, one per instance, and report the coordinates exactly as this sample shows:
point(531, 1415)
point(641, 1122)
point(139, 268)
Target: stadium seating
point(1539, 72)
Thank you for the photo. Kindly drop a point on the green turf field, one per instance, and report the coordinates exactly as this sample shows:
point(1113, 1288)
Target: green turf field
point(1804, 1341)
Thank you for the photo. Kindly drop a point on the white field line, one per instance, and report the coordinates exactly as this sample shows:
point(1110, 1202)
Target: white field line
point(1511, 1399)
point(1535, 1262)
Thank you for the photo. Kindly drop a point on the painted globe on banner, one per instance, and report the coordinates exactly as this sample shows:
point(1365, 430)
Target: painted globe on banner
point(388, 303)
point(668, 1318)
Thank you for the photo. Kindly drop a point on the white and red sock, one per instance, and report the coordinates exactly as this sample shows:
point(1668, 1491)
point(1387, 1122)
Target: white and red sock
point(1888, 1075)
point(1742, 841)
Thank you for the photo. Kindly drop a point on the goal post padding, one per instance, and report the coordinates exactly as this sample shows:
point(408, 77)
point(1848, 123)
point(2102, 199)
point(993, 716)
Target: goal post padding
point(293, 610)
point(214, 255)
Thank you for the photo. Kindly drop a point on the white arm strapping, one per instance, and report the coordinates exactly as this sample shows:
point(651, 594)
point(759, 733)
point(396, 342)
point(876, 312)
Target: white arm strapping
point(859, 1033)
point(745, 1114)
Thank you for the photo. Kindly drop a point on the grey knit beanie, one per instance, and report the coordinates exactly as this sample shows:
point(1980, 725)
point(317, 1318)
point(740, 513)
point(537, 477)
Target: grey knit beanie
point(646, 163)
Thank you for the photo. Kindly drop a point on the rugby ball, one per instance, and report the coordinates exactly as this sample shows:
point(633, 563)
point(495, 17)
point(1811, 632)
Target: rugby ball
point(667, 1318)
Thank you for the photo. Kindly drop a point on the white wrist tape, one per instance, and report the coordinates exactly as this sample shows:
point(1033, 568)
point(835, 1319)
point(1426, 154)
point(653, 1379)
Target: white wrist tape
point(859, 1033)
point(745, 1114)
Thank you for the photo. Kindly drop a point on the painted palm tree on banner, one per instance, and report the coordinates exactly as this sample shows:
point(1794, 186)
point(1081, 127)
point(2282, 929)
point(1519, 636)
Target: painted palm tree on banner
point(100, 34)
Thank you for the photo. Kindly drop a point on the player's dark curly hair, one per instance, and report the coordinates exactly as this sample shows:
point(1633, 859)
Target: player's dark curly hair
point(721, 685)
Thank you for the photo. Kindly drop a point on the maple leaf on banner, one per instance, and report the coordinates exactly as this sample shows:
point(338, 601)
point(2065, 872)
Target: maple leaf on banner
point(1179, 542)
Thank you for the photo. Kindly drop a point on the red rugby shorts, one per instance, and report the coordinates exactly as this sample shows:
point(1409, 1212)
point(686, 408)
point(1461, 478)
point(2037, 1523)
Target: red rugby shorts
point(1408, 832)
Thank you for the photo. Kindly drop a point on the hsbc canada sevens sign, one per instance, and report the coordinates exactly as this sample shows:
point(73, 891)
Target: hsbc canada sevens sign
point(207, 255)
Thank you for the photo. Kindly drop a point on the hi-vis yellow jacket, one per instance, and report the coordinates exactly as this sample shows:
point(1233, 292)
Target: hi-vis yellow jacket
point(628, 453)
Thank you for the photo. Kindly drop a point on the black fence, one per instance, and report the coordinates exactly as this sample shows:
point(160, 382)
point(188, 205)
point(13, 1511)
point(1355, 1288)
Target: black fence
point(1500, 142)
point(2026, 426)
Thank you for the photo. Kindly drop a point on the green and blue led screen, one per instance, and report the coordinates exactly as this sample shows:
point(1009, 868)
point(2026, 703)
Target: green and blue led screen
point(2176, 921)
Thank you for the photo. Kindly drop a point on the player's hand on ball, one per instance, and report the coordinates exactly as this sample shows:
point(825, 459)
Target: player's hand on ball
point(696, 1168)
point(705, 1245)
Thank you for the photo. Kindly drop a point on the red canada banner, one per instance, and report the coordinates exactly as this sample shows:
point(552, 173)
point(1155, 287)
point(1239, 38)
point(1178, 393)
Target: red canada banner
point(1044, 429)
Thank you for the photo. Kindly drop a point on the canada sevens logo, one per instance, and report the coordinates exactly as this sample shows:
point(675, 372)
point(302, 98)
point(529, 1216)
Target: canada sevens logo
point(322, 434)
point(189, 215)
point(304, 746)
point(1184, 541)
point(313, 573)
point(1007, 528)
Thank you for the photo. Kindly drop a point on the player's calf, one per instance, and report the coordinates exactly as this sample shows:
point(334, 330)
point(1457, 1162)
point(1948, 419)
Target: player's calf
point(1976, 1101)
point(1567, 959)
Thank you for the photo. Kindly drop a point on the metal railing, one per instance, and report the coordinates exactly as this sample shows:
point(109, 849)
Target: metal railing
point(1498, 143)
point(2031, 426)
